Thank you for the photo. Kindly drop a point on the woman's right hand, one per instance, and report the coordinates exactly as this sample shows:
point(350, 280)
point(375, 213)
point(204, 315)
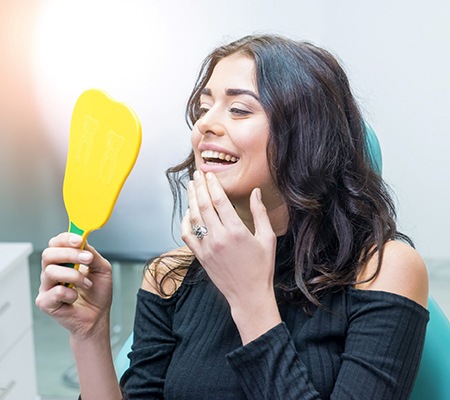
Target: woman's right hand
point(84, 308)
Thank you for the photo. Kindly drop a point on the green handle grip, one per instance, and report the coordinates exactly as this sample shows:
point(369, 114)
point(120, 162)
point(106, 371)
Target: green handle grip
point(73, 229)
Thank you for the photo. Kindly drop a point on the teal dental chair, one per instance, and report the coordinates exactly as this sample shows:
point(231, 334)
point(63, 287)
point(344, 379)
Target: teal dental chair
point(433, 379)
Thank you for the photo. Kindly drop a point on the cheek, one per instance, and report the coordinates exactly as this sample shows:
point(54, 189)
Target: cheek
point(256, 147)
point(195, 136)
point(258, 159)
point(195, 140)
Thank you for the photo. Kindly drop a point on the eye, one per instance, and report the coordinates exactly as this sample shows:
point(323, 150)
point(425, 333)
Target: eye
point(201, 111)
point(238, 112)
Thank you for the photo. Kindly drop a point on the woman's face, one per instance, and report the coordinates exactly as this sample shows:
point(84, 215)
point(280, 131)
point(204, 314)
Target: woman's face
point(230, 137)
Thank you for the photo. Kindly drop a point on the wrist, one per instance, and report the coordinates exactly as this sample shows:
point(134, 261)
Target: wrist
point(88, 348)
point(97, 332)
point(256, 317)
point(95, 364)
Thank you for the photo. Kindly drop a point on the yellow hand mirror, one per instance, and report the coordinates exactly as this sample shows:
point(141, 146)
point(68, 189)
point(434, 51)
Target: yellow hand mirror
point(105, 138)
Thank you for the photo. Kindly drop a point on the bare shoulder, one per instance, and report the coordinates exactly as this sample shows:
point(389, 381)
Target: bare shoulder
point(162, 276)
point(402, 272)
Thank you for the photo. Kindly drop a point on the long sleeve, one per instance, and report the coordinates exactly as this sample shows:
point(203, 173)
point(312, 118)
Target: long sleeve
point(270, 368)
point(380, 359)
point(152, 347)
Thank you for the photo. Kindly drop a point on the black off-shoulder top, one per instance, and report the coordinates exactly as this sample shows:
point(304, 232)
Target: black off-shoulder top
point(359, 345)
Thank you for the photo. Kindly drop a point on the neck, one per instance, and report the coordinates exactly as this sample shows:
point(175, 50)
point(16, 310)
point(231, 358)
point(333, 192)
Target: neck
point(278, 216)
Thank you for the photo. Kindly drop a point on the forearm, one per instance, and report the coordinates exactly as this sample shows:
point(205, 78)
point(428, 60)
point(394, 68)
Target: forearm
point(254, 318)
point(95, 366)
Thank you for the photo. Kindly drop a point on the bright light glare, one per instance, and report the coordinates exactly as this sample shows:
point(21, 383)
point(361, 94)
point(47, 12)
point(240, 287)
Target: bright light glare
point(117, 46)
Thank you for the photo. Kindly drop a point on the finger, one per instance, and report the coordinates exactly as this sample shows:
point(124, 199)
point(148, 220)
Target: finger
point(98, 262)
point(52, 300)
point(220, 201)
point(263, 227)
point(195, 217)
point(65, 255)
point(66, 239)
point(68, 248)
point(53, 275)
point(186, 231)
point(204, 206)
point(197, 227)
point(83, 269)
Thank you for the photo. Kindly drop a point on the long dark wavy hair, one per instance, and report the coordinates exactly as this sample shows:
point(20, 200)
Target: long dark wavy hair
point(340, 210)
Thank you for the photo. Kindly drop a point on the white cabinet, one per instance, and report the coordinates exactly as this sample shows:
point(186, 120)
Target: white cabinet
point(17, 360)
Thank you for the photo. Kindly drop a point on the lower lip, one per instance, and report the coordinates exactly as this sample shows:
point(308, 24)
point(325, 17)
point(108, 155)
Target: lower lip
point(211, 167)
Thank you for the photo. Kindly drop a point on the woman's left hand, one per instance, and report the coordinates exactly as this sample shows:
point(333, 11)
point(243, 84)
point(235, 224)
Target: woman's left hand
point(240, 263)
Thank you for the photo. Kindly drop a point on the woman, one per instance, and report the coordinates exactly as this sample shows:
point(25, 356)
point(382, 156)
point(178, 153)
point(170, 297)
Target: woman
point(293, 282)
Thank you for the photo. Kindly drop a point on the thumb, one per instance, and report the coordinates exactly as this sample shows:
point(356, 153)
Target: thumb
point(98, 263)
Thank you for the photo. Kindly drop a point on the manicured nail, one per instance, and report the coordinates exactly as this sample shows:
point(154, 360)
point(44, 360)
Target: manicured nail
point(196, 174)
point(209, 175)
point(75, 239)
point(87, 283)
point(84, 256)
point(258, 193)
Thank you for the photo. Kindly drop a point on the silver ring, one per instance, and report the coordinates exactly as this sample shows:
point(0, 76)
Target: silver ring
point(200, 231)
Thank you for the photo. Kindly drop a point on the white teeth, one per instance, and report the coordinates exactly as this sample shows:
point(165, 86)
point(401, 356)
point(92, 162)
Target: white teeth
point(211, 154)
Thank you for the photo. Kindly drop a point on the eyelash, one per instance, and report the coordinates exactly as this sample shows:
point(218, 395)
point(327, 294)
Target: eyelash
point(233, 110)
point(202, 111)
point(238, 112)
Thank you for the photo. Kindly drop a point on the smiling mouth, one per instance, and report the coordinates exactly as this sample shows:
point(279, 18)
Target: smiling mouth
point(215, 157)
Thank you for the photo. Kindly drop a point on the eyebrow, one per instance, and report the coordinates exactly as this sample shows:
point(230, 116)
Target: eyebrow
point(232, 92)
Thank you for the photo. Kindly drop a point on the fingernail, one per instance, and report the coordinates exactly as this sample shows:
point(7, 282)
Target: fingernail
point(87, 283)
point(258, 193)
point(209, 175)
point(84, 256)
point(74, 239)
point(196, 174)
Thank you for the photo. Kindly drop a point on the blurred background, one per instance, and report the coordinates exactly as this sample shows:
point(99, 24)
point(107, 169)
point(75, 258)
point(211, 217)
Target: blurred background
point(146, 53)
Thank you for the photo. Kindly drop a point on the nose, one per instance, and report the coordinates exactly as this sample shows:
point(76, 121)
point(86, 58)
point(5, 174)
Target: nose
point(211, 123)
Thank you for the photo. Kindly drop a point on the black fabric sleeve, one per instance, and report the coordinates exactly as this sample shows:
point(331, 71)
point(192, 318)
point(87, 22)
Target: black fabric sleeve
point(380, 361)
point(383, 347)
point(152, 347)
point(269, 368)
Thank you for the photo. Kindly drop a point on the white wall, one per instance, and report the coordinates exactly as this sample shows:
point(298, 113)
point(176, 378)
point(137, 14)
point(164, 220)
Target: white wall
point(396, 56)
